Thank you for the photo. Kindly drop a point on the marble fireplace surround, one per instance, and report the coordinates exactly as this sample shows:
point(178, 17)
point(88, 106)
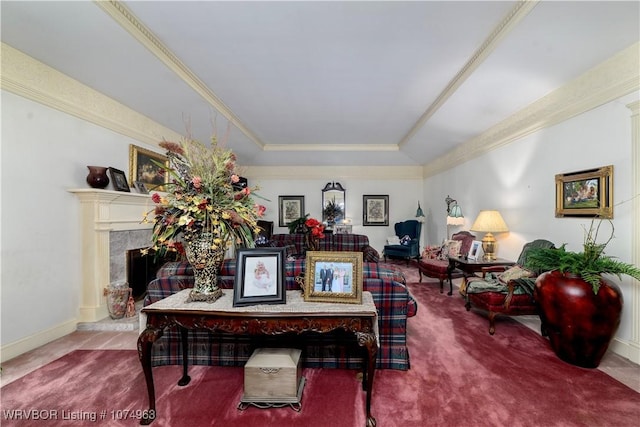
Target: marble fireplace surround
point(111, 223)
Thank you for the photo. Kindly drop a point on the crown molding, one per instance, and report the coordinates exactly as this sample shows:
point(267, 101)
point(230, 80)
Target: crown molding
point(508, 23)
point(127, 20)
point(612, 79)
point(344, 172)
point(331, 147)
point(38, 82)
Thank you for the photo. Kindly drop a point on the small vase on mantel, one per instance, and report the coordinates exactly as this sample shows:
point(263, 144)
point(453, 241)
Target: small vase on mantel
point(97, 177)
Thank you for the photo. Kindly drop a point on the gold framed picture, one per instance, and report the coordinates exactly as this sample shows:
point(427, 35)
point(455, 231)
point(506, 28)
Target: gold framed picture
point(333, 277)
point(143, 168)
point(587, 193)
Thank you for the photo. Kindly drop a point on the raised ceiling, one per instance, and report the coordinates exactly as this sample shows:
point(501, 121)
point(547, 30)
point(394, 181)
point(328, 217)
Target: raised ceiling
point(325, 83)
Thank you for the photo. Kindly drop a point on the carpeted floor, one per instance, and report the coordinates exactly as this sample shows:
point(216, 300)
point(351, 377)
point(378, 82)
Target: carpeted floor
point(460, 376)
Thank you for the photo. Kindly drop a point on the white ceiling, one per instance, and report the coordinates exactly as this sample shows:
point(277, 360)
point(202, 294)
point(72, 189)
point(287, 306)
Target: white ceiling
point(325, 83)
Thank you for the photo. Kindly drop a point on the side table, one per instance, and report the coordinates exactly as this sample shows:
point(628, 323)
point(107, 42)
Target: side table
point(470, 267)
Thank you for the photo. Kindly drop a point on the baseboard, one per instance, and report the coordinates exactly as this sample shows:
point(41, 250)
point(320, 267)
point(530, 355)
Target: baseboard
point(627, 349)
point(11, 350)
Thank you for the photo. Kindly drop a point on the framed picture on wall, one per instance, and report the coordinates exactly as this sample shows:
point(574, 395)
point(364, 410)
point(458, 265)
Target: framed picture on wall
point(375, 210)
point(144, 167)
point(587, 193)
point(290, 208)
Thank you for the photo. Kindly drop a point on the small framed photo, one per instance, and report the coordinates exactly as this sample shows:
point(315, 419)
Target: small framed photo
point(259, 277)
point(290, 209)
point(141, 187)
point(342, 229)
point(119, 180)
point(475, 251)
point(333, 277)
point(586, 194)
point(145, 166)
point(375, 210)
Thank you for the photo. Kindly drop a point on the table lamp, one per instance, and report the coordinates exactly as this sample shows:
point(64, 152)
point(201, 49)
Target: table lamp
point(489, 222)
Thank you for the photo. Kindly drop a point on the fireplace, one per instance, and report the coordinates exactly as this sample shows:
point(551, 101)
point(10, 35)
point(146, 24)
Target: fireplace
point(142, 268)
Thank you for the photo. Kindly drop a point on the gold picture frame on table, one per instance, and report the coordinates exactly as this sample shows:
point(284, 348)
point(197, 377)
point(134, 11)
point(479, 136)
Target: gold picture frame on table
point(333, 277)
point(143, 168)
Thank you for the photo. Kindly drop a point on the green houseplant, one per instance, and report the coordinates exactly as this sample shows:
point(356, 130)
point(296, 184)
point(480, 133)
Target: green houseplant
point(580, 309)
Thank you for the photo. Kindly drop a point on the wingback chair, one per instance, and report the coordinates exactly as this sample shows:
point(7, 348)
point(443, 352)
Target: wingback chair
point(409, 248)
point(504, 290)
point(435, 263)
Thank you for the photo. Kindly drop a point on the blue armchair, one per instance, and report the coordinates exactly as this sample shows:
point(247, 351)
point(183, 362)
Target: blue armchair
point(408, 247)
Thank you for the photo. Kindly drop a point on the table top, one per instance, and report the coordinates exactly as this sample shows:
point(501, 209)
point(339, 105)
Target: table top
point(481, 261)
point(295, 306)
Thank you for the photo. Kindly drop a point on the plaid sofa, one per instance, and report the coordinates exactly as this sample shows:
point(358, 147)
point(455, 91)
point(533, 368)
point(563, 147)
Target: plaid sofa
point(335, 350)
point(295, 244)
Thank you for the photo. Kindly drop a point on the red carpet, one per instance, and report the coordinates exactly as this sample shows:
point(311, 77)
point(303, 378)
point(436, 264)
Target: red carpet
point(460, 376)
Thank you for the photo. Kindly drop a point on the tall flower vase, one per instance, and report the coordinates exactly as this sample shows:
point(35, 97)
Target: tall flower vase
point(579, 323)
point(206, 261)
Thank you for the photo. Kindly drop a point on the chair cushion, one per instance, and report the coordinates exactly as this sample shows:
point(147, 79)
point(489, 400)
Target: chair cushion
point(393, 240)
point(513, 273)
point(450, 248)
point(434, 265)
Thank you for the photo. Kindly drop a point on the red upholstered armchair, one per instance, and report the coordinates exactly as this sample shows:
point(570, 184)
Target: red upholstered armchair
point(504, 290)
point(434, 263)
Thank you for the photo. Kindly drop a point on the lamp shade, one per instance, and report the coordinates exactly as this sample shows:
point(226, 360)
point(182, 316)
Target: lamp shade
point(489, 222)
point(455, 216)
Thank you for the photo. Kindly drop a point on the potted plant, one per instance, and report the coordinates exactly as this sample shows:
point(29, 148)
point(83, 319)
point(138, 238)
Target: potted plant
point(579, 309)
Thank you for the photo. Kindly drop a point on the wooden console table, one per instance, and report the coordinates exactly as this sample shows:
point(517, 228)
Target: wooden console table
point(470, 267)
point(296, 316)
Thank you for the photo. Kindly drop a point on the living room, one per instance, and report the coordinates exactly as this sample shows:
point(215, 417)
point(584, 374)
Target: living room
point(49, 140)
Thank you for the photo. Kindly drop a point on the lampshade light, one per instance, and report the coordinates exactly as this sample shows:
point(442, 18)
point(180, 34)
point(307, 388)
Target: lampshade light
point(455, 216)
point(420, 214)
point(489, 222)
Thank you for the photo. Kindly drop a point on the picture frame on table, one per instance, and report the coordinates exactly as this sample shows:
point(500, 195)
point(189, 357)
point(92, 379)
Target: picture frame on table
point(119, 180)
point(475, 251)
point(586, 194)
point(333, 277)
point(146, 166)
point(259, 277)
point(375, 210)
point(290, 208)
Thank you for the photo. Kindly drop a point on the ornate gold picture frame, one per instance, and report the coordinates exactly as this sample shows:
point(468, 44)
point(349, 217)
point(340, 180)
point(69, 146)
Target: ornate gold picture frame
point(587, 193)
point(333, 277)
point(143, 169)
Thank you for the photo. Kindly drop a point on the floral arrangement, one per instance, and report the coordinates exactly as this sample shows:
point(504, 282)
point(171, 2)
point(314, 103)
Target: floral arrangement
point(201, 198)
point(314, 228)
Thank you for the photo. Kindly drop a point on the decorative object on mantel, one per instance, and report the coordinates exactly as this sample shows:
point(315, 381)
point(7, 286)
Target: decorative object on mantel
point(119, 180)
point(203, 207)
point(580, 310)
point(489, 222)
point(97, 177)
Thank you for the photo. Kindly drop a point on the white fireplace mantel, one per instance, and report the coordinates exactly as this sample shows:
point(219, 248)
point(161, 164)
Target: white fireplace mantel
point(101, 212)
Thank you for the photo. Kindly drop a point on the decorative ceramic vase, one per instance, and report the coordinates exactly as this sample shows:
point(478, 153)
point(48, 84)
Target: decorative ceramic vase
point(311, 243)
point(117, 294)
point(579, 323)
point(206, 260)
point(97, 177)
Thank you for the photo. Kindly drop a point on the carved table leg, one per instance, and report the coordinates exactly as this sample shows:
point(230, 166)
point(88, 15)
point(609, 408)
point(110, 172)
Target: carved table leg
point(145, 342)
point(369, 341)
point(185, 357)
point(450, 268)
